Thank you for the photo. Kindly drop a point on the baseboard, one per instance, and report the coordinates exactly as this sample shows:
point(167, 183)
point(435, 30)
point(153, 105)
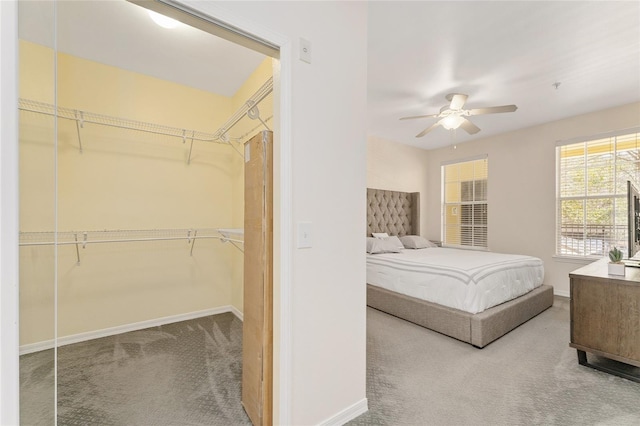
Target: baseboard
point(557, 292)
point(235, 311)
point(82, 337)
point(347, 414)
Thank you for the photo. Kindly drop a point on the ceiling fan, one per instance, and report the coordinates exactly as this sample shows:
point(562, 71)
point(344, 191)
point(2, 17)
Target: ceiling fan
point(453, 116)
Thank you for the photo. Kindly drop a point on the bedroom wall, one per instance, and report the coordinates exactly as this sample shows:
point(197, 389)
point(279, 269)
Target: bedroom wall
point(521, 192)
point(328, 180)
point(398, 167)
point(122, 180)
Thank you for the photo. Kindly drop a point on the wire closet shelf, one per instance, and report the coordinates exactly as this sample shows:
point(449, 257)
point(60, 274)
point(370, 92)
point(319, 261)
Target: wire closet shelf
point(80, 239)
point(249, 108)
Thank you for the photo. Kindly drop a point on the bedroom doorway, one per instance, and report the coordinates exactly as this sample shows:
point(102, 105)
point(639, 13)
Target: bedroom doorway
point(67, 149)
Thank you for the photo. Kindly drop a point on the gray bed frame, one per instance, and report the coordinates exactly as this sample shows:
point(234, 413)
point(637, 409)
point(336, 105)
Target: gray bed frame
point(397, 213)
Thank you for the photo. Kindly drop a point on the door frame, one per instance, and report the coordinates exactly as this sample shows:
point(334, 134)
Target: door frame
point(9, 217)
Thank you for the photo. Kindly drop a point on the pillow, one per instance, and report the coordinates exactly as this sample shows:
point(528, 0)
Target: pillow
point(416, 242)
point(380, 235)
point(377, 245)
point(396, 241)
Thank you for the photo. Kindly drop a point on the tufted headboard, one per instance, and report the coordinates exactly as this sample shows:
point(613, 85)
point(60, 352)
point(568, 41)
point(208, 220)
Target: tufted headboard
point(393, 212)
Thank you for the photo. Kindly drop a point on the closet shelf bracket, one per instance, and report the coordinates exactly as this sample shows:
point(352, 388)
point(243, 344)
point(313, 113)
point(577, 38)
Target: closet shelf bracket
point(226, 237)
point(249, 108)
point(75, 236)
point(79, 125)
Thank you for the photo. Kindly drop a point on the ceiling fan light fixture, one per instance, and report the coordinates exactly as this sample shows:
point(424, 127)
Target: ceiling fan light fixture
point(452, 121)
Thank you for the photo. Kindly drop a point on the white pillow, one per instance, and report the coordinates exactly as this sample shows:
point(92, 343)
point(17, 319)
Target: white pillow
point(396, 241)
point(416, 242)
point(377, 245)
point(380, 235)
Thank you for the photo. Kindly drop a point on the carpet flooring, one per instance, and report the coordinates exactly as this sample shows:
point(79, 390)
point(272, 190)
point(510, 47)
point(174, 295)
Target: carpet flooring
point(530, 376)
point(186, 373)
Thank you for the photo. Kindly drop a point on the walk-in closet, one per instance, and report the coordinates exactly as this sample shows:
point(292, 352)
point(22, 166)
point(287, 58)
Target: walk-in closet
point(145, 149)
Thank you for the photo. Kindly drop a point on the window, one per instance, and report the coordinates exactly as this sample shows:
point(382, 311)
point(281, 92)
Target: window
point(592, 193)
point(464, 206)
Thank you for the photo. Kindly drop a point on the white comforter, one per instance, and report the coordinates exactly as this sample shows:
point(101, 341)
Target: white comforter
point(468, 280)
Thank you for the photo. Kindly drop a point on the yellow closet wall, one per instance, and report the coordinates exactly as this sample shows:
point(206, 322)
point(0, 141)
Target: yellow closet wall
point(123, 180)
point(37, 195)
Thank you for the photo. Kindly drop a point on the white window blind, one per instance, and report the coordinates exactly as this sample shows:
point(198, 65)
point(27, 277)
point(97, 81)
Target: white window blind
point(464, 207)
point(592, 193)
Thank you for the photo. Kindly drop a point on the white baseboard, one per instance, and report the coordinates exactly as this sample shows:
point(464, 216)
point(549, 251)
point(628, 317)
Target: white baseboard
point(235, 311)
point(82, 337)
point(347, 414)
point(557, 292)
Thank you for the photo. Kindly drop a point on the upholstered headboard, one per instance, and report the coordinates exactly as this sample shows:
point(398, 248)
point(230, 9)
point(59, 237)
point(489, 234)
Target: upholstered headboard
point(393, 212)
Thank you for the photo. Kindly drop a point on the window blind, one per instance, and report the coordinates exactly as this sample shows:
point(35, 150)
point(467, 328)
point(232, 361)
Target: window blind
point(465, 207)
point(592, 193)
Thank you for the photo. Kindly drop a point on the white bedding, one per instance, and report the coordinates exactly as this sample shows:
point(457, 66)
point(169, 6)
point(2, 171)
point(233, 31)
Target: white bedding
point(468, 280)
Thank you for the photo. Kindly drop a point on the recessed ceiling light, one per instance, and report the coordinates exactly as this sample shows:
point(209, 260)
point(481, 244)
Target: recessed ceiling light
point(163, 21)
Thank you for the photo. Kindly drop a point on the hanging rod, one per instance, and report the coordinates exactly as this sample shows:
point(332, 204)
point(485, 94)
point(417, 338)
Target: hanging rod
point(125, 236)
point(251, 103)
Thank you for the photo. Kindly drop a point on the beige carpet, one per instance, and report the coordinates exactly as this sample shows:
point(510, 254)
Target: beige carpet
point(528, 377)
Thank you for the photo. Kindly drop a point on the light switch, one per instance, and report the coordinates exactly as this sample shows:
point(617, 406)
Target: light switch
point(305, 50)
point(304, 234)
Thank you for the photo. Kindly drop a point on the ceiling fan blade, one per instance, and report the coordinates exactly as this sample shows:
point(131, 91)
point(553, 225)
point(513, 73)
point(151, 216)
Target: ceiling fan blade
point(419, 116)
point(457, 100)
point(493, 110)
point(428, 129)
point(469, 127)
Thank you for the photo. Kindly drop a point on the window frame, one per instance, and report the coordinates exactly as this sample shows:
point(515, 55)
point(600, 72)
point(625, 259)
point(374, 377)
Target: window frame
point(585, 197)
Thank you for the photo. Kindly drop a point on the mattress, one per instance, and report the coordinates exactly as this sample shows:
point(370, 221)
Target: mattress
point(468, 280)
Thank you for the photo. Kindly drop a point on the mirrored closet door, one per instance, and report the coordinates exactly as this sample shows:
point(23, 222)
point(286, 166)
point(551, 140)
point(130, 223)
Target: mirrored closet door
point(37, 189)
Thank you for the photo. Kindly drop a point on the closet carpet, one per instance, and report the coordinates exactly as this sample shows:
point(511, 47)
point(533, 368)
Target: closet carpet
point(186, 373)
point(530, 376)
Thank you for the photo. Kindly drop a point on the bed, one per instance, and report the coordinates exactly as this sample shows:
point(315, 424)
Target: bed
point(486, 297)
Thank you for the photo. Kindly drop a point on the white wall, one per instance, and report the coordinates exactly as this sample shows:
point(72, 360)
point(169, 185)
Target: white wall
point(9, 389)
point(398, 167)
point(328, 151)
point(522, 176)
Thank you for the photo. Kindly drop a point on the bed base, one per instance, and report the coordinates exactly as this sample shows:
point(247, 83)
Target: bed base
point(478, 329)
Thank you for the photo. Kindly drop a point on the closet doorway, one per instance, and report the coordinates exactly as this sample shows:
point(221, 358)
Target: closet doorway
point(134, 178)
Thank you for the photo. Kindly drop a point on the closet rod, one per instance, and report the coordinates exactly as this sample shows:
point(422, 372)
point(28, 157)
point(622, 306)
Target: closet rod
point(82, 117)
point(254, 100)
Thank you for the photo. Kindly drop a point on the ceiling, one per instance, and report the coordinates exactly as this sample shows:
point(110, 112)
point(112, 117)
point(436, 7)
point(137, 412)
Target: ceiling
point(123, 35)
point(498, 53)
